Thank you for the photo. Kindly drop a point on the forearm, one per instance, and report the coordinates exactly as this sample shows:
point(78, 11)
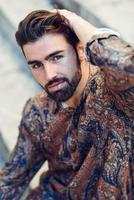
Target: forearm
point(111, 51)
point(116, 58)
point(83, 29)
point(11, 189)
point(24, 162)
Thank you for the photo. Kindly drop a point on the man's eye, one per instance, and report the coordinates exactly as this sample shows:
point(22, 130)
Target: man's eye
point(36, 66)
point(56, 58)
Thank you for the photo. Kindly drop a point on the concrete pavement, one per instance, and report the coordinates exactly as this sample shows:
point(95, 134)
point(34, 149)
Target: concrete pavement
point(16, 82)
point(15, 85)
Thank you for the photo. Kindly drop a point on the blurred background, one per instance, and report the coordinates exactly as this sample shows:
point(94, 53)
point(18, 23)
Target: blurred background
point(16, 81)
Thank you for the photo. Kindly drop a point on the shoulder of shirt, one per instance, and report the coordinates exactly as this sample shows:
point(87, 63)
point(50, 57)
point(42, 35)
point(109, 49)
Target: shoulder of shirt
point(39, 101)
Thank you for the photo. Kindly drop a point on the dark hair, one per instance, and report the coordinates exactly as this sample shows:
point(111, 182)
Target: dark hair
point(40, 22)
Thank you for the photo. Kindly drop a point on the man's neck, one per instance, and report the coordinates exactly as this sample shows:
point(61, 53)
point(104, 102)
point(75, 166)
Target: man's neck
point(74, 100)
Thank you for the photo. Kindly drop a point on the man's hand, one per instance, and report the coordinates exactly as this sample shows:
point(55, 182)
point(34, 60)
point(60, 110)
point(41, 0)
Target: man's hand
point(83, 29)
point(70, 16)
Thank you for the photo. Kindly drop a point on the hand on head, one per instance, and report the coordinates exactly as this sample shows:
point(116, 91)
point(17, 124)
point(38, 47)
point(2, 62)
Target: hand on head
point(82, 28)
point(70, 16)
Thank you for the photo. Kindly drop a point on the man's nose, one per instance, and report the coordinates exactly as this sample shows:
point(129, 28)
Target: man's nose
point(50, 71)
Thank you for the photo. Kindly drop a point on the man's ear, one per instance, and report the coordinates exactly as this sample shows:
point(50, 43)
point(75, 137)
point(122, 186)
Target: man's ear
point(80, 50)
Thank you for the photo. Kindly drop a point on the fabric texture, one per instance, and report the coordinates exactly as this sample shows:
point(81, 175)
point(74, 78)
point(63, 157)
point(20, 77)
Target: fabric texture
point(90, 148)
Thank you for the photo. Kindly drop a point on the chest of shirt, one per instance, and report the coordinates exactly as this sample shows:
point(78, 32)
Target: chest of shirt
point(70, 134)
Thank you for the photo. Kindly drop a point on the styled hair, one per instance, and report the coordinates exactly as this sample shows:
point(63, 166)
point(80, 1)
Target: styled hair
point(41, 22)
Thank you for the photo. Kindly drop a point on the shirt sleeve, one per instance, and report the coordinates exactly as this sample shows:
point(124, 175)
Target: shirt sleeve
point(25, 160)
point(115, 57)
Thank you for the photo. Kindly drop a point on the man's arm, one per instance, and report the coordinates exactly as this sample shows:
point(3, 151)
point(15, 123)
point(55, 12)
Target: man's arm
point(24, 162)
point(116, 59)
point(114, 56)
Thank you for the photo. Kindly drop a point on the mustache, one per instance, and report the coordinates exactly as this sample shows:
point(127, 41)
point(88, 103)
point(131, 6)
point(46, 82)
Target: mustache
point(55, 80)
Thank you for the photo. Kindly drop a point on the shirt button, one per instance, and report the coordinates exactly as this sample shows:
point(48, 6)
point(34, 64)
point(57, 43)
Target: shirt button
point(47, 138)
point(73, 145)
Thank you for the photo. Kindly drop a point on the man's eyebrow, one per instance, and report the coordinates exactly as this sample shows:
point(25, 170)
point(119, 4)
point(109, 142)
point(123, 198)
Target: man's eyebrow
point(53, 54)
point(30, 62)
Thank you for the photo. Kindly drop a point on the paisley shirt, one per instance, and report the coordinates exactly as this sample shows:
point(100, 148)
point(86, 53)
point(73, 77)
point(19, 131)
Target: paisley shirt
point(90, 148)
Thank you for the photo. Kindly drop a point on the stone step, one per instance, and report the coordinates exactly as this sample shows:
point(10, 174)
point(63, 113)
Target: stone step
point(16, 82)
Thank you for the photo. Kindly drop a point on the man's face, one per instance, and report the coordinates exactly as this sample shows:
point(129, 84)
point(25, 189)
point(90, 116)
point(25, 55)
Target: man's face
point(55, 65)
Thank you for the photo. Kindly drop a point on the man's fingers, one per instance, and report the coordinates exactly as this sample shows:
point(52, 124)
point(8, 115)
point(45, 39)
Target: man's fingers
point(63, 12)
point(71, 17)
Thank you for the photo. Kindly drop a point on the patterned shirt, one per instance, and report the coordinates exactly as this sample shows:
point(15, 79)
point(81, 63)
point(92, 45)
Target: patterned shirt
point(90, 148)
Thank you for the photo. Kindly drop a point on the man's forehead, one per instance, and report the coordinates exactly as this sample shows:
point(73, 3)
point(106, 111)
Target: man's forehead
point(48, 42)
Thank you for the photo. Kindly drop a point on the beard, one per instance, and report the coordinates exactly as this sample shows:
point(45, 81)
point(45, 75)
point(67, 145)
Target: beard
point(65, 93)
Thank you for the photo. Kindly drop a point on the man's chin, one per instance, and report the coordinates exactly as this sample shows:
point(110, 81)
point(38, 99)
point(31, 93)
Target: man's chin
point(60, 96)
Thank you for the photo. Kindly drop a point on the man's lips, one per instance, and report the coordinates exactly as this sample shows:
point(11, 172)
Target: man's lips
point(56, 86)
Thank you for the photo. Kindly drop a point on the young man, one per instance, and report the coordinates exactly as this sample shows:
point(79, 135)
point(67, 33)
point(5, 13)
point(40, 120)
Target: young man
point(82, 122)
